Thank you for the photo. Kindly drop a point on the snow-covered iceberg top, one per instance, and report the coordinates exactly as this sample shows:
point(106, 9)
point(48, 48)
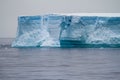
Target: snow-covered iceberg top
point(69, 30)
point(90, 14)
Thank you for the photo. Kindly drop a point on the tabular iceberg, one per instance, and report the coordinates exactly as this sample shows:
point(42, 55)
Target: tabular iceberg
point(62, 30)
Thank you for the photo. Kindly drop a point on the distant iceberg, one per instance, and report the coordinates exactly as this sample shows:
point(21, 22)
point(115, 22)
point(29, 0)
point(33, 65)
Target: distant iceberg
point(68, 30)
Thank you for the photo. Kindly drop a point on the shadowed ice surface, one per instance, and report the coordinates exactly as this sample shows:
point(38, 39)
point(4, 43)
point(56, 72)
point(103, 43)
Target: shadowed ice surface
point(58, 63)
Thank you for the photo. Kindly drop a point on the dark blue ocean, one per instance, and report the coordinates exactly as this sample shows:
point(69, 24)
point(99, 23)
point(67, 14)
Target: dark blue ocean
point(58, 63)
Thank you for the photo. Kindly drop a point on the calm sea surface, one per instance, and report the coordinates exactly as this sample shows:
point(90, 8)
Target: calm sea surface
point(58, 63)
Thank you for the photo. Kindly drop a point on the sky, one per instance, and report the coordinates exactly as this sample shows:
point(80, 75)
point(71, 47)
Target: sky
point(11, 9)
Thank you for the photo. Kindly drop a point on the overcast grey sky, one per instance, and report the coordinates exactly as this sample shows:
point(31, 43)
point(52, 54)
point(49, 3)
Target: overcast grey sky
point(11, 9)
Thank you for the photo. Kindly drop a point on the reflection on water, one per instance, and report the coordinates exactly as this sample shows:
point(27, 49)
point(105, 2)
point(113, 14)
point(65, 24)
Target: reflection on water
point(59, 64)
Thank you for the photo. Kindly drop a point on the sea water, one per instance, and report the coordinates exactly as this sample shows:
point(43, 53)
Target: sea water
point(58, 63)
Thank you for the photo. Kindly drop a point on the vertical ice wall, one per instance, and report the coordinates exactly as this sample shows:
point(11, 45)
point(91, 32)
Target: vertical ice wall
point(38, 31)
point(55, 30)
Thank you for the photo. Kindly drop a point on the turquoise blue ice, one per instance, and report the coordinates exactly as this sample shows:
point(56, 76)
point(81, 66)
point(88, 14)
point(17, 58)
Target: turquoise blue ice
point(55, 30)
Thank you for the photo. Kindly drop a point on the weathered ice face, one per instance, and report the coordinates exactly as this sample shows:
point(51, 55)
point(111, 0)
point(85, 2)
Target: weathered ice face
point(56, 30)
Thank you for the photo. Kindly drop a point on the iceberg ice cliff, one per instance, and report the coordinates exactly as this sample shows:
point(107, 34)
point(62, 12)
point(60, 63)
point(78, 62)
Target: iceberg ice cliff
point(63, 30)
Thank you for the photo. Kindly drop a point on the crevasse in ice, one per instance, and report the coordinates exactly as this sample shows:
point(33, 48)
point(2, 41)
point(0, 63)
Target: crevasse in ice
point(55, 30)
